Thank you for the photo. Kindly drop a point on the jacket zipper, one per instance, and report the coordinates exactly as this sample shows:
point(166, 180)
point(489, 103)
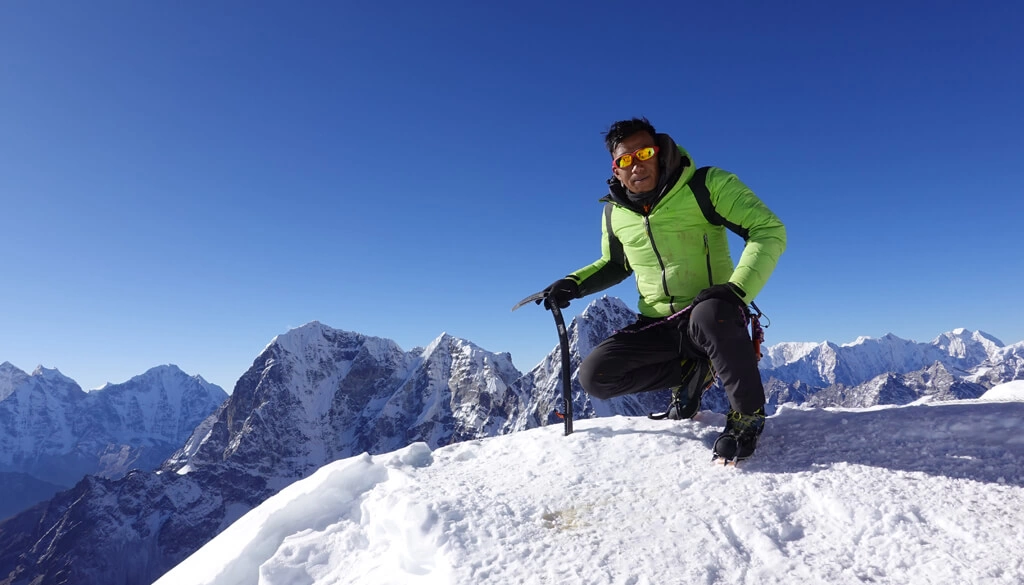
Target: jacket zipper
point(661, 264)
point(707, 257)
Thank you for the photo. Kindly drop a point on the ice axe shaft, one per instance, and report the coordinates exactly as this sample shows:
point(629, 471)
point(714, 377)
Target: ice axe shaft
point(563, 343)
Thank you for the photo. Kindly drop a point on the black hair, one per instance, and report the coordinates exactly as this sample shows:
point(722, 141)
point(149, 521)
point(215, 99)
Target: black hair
point(623, 129)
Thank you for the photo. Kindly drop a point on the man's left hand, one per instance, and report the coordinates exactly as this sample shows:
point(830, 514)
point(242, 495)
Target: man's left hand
point(728, 292)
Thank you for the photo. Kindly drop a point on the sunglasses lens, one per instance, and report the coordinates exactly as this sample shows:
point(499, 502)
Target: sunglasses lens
point(626, 160)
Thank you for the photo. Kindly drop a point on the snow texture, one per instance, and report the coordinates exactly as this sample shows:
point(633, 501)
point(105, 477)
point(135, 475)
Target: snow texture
point(926, 493)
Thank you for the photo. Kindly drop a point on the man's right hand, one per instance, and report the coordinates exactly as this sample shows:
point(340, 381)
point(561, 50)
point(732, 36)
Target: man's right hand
point(559, 293)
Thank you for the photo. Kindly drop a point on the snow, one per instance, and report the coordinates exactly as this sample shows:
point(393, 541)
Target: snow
point(53, 376)
point(927, 493)
point(1009, 391)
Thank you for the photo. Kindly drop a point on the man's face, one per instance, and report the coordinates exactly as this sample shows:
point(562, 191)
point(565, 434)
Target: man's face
point(642, 175)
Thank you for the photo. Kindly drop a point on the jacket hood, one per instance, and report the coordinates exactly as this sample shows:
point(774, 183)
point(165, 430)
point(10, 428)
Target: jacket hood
point(674, 165)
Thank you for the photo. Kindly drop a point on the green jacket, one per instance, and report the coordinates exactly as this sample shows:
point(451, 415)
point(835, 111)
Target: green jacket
point(674, 251)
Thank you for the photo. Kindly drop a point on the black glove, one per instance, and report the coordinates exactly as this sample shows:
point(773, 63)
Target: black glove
point(728, 292)
point(559, 293)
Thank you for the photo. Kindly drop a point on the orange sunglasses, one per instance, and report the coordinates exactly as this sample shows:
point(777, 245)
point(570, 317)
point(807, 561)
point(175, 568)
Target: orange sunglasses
point(625, 161)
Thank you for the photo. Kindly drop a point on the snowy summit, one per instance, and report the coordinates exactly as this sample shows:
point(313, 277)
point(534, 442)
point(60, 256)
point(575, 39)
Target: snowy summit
point(927, 493)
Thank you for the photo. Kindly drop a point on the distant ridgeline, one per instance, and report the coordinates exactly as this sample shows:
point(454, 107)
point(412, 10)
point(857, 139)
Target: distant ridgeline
point(52, 433)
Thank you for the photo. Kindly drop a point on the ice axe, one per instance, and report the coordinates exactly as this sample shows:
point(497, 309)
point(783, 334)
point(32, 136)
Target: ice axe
point(563, 342)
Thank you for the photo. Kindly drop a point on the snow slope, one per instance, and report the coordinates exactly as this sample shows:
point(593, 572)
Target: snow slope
point(928, 493)
point(1004, 392)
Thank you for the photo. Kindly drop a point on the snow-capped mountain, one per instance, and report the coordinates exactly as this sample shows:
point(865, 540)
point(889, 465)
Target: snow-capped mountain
point(321, 393)
point(955, 365)
point(828, 364)
point(317, 394)
point(37, 414)
point(147, 416)
point(54, 433)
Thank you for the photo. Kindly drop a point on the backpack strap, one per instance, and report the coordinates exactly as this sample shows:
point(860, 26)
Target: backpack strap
point(699, 187)
point(698, 184)
point(615, 246)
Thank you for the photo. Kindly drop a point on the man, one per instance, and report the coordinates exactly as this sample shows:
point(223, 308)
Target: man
point(693, 300)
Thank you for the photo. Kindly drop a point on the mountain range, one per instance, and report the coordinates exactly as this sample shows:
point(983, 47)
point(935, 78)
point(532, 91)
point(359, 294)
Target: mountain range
point(318, 394)
point(52, 433)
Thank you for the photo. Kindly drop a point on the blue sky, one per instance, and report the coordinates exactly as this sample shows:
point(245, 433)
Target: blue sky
point(180, 182)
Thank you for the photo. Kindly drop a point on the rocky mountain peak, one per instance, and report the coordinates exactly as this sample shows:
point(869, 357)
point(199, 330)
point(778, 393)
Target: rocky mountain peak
point(10, 378)
point(968, 345)
point(52, 375)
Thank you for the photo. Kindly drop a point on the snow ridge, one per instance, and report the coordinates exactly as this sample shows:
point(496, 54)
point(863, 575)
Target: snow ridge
point(913, 494)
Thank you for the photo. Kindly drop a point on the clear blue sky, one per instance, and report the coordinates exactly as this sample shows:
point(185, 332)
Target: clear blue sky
point(180, 182)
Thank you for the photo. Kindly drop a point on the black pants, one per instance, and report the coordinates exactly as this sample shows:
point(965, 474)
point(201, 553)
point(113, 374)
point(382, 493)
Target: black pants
point(641, 358)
